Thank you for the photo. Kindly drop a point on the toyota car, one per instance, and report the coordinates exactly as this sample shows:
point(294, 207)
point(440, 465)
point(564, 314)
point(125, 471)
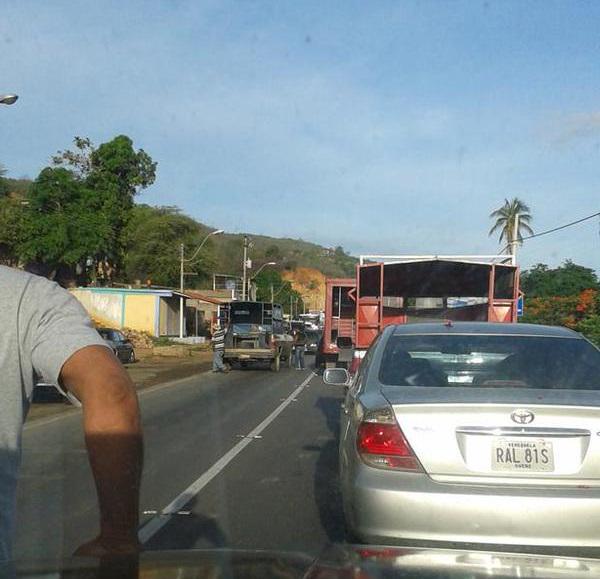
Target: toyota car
point(473, 432)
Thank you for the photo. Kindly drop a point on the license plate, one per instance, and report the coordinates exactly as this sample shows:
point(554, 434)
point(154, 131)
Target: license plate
point(522, 455)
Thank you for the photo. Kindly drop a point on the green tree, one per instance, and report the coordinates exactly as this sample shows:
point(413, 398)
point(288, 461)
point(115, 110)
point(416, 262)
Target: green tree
point(109, 177)
point(63, 223)
point(11, 215)
point(569, 279)
point(590, 328)
point(505, 221)
point(79, 161)
point(153, 237)
point(282, 290)
point(273, 252)
point(344, 261)
point(3, 182)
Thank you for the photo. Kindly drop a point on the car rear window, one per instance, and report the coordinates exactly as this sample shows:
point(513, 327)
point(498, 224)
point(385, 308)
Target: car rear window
point(490, 361)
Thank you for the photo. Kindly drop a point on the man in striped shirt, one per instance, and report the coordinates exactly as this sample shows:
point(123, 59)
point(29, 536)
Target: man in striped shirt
point(218, 345)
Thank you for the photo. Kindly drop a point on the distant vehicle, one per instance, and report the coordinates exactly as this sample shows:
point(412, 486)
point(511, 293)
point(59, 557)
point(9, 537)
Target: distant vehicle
point(256, 333)
point(337, 340)
point(491, 427)
point(312, 320)
point(119, 343)
point(312, 341)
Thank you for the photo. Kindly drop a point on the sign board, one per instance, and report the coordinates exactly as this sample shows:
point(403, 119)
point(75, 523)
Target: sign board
point(520, 306)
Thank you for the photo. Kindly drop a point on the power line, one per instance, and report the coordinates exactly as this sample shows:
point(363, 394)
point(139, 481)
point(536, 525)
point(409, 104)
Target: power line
point(561, 227)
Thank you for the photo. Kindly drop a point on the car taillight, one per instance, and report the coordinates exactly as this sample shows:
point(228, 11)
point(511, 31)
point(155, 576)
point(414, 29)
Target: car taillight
point(382, 444)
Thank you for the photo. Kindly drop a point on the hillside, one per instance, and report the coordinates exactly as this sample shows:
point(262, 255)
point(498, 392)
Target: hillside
point(289, 254)
point(153, 237)
point(310, 284)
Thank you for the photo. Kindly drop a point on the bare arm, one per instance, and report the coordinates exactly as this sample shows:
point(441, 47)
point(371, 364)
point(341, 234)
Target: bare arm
point(113, 438)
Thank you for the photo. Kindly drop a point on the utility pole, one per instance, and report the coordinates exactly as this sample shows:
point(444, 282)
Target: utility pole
point(245, 267)
point(514, 242)
point(181, 298)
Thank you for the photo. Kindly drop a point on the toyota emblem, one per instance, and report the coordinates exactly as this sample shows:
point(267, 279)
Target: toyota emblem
point(521, 416)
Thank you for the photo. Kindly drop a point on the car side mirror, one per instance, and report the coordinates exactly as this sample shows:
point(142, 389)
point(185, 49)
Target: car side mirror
point(336, 376)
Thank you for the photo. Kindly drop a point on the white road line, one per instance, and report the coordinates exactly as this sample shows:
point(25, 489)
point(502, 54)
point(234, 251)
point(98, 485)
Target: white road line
point(149, 529)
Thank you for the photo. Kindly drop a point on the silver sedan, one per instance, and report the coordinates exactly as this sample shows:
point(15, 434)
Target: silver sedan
point(473, 432)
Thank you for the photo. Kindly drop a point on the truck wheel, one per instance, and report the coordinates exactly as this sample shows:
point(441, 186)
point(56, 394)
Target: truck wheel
point(276, 364)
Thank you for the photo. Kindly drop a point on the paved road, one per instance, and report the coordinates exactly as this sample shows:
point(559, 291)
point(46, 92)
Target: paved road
point(275, 491)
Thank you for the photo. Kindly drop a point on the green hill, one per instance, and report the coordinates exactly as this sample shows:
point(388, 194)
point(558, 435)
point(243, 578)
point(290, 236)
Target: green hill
point(289, 254)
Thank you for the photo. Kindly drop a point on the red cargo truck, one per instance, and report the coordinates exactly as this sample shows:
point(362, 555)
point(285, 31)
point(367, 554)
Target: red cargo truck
point(339, 326)
point(404, 289)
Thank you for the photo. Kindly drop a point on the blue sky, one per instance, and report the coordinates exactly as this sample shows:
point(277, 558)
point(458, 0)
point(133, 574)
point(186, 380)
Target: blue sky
point(385, 127)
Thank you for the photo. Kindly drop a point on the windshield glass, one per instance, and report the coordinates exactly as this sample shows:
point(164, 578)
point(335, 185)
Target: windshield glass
point(246, 313)
point(242, 329)
point(205, 205)
point(490, 361)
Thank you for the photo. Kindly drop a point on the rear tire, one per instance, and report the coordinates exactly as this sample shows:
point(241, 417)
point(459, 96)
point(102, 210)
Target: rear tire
point(132, 358)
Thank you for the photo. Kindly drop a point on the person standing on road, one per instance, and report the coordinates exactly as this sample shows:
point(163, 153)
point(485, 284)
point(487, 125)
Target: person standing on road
point(46, 334)
point(218, 345)
point(299, 349)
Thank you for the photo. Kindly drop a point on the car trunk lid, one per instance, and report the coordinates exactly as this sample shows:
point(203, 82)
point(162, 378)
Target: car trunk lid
point(505, 435)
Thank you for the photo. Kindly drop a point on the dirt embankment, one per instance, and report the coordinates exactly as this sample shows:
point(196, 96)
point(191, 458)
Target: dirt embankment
point(310, 283)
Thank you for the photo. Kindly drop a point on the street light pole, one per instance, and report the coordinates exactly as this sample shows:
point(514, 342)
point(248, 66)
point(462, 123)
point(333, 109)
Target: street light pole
point(181, 298)
point(182, 261)
point(256, 275)
point(245, 267)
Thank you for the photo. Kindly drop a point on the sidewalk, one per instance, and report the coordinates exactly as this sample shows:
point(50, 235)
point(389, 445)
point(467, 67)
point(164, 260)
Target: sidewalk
point(147, 372)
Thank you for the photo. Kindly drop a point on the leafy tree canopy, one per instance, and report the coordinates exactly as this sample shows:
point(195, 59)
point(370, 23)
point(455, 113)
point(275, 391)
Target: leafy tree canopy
point(569, 279)
point(282, 290)
point(153, 237)
point(77, 210)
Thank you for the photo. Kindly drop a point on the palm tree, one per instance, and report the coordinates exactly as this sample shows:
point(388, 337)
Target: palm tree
point(505, 221)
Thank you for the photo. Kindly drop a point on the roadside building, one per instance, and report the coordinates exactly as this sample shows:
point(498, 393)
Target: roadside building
point(155, 311)
point(203, 309)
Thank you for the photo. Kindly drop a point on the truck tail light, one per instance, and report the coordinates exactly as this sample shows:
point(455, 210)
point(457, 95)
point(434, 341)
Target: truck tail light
point(382, 444)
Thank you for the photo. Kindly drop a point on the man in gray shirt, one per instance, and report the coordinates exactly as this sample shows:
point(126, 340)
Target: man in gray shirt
point(46, 333)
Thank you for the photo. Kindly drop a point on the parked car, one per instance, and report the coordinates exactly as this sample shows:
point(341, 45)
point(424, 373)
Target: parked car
point(47, 392)
point(473, 432)
point(119, 343)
